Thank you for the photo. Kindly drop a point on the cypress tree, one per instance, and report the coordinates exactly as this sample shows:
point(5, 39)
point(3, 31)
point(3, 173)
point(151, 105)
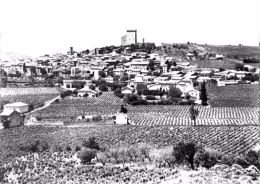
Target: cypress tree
point(203, 95)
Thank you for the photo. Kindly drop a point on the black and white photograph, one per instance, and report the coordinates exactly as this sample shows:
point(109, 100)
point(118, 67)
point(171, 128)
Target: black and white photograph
point(129, 92)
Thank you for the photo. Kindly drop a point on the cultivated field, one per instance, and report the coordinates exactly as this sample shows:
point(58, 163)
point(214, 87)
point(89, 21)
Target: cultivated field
point(31, 96)
point(29, 91)
point(226, 64)
point(109, 104)
point(227, 139)
point(232, 50)
point(235, 96)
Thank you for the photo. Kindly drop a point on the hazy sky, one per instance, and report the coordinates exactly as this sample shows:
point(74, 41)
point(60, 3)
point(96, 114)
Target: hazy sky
point(36, 27)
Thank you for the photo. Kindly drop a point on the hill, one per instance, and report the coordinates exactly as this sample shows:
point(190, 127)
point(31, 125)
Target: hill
point(229, 51)
point(14, 56)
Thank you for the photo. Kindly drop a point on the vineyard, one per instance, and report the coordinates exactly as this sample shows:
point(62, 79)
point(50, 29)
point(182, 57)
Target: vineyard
point(32, 96)
point(226, 139)
point(108, 104)
point(35, 100)
point(29, 91)
point(235, 96)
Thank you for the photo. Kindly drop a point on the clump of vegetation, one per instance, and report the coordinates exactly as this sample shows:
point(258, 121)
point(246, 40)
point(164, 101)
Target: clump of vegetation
point(184, 152)
point(91, 147)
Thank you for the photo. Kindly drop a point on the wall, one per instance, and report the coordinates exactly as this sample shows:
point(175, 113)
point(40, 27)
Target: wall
point(16, 119)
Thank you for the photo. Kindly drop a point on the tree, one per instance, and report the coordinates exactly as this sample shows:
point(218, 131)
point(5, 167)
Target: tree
point(91, 143)
point(184, 152)
point(221, 69)
point(123, 109)
point(33, 71)
point(103, 87)
point(43, 71)
point(85, 95)
point(203, 95)
point(92, 87)
point(141, 88)
point(78, 84)
point(151, 65)
point(239, 66)
point(129, 98)
point(24, 68)
point(193, 113)
point(5, 122)
point(207, 158)
point(87, 155)
point(174, 92)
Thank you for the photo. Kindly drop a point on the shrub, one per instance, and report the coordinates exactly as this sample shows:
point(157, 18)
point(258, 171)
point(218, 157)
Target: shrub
point(77, 148)
point(240, 160)
point(227, 160)
point(87, 155)
point(57, 100)
point(38, 118)
point(150, 97)
point(68, 148)
point(250, 60)
point(207, 158)
point(97, 118)
point(253, 158)
point(6, 123)
point(45, 146)
point(34, 147)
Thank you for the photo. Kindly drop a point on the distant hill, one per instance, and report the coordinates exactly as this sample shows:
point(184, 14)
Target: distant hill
point(230, 51)
point(13, 56)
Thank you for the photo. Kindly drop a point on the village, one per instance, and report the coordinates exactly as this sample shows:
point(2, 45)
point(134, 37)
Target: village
point(129, 64)
point(129, 92)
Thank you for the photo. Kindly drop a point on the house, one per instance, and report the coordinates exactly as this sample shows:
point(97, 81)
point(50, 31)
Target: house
point(189, 55)
point(110, 79)
point(20, 107)
point(118, 72)
point(206, 73)
point(194, 94)
point(154, 87)
point(241, 74)
point(159, 79)
point(182, 64)
point(139, 64)
point(121, 119)
point(219, 56)
point(90, 92)
point(127, 90)
point(13, 116)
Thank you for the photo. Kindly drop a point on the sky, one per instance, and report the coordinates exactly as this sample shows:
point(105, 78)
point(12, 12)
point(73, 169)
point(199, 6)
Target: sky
point(38, 27)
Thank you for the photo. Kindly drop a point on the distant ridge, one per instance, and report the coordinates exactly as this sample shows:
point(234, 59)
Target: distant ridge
point(14, 56)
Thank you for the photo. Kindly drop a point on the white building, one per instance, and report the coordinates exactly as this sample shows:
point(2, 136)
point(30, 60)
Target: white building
point(90, 92)
point(17, 106)
point(139, 64)
point(121, 119)
point(129, 38)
